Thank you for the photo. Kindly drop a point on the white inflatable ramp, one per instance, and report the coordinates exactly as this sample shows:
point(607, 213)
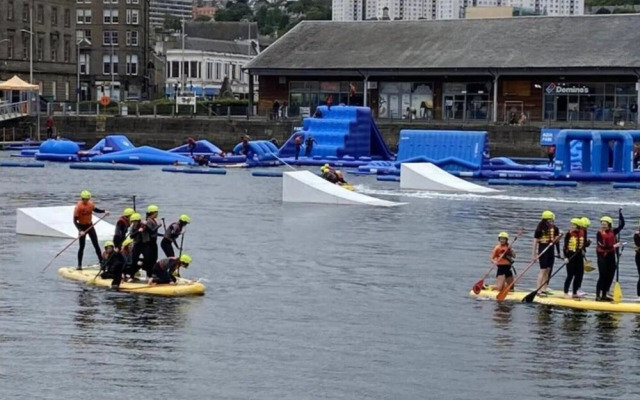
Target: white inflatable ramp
point(426, 176)
point(307, 187)
point(55, 222)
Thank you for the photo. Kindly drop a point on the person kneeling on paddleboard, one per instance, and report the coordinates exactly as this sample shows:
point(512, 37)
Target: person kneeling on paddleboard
point(112, 264)
point(607, 245)
point(166, 270)
point(573, 244)
point(503, 256)
point(546, 233)
point(329, 174)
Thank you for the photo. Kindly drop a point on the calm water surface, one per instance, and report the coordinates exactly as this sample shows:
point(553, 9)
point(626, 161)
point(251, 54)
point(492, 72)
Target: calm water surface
point(305, 301)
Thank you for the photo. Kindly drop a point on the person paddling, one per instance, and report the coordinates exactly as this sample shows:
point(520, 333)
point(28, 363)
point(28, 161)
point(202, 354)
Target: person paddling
point(172, 233)
point(122, 227)
point(607, 245)
point(112, 265)
point(82, 220)
point(546, 233)
point(135, 235)
point(149, 236)
point(166, 270)
point(574, 244)
point(503, 256)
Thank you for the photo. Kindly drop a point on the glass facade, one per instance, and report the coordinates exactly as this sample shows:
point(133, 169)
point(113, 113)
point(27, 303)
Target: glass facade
point(312, 94)
point(396, 99)
point(566, 101)
point(466, 101)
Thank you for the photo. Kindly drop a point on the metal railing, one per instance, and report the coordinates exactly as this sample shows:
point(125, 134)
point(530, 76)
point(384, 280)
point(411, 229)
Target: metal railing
point(14, 110)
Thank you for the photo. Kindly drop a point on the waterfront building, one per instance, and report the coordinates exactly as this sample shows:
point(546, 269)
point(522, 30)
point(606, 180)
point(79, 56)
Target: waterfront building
point(44, 32)
point(547, 68)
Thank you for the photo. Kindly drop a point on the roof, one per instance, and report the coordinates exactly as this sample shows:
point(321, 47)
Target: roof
point(221, 30)
point(594, 41)
point(218, 46)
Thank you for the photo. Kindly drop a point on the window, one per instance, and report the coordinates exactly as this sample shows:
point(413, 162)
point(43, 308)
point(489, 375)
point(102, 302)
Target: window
point(40, 49)
point(25, 12)
point(67, 49)
point(54, 16)
point(83, 16)
point(40, 16)
point(67, 17)
point(233, 71)
point(218, 71)
point(226, 70)
point(54, 89)
point(109, 64)
point(132, 38)
point(53, 45)
point(110, 17)
point(209, 72)
point(25, 45)
point(133, 1)
point(175, 69)
point(10, 10)
point(66, 91)
point(84, 64)
point(110, 38)
point(133, 17)
point(132, 64)
point(11, 35)
point(194, 70)
point(110, 1)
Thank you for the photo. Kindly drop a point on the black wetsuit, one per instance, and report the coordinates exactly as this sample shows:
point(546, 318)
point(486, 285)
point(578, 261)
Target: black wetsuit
point(164, 271)
point(122, 227)
point(112, 267)
point(172, 233)
point(92, 235)
point(607, 256)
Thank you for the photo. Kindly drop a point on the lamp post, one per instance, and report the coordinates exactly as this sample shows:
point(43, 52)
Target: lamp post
point(30, 32)
point(112, 72)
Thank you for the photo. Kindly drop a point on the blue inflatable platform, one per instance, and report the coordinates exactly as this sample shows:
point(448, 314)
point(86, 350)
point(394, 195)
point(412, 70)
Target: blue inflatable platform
point(516, 182)
point(342, 131)
point(626, 185)
point(261, 153)
point(270, 174)
point(58, 150)
point(203, 148)
point(111, 144)
point(388, 178)
point(22, 165)
point(104, 166)
point(195, 170)
point(144, 155)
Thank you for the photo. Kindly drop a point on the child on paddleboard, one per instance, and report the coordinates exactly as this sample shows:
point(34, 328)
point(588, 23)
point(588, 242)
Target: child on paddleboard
point(503, 256)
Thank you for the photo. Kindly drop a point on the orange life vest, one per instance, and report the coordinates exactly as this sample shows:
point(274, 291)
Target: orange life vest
point(83, 212)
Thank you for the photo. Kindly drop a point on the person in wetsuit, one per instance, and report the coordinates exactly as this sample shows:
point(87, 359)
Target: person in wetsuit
point(503, 256)
point(112, 264)
point(172, 233)
point(122, 227)
point(191, 145)
point(166, 270)
point(297, 142)
point(308, 145)
point(546, 233)
point(137, 247)
point(82, 215)
point(329, 174)
point(149, 236)
point(574, 243)
point(607, 249)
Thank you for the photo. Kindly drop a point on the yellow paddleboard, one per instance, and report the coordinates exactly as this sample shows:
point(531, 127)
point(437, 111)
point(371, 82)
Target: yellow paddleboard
point(556, 298)
point(183, 287)
point(348, 187)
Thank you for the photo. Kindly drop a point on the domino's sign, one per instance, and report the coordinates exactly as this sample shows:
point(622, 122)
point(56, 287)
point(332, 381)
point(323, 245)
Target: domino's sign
point(552, 88)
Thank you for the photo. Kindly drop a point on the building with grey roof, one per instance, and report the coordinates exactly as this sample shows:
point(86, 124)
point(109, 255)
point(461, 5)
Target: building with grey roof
point(552, 68)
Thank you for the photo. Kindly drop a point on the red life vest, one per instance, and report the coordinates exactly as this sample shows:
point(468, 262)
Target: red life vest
point(608, 240)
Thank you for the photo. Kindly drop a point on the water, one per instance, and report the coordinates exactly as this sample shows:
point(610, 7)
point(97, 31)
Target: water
point(306, 301)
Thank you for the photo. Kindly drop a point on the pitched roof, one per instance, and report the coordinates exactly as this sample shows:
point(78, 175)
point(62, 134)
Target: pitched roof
point(607, 41)
point(221, 30)
point(218, 46)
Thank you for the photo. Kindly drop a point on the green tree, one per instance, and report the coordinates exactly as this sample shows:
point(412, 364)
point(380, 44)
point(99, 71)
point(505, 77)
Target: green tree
point(234, 11)
point(171, 22)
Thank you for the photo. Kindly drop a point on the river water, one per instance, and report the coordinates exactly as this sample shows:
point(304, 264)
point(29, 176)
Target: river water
point(306, 301)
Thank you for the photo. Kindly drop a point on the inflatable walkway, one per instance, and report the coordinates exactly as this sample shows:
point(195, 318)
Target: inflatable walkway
point(341, 131)
point(307, 187)
point(55, 222)
point(426, 176)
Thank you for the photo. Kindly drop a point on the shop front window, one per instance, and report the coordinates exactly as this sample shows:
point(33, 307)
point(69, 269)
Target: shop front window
point(309, 95)
point(401, 100)
point(466, 101)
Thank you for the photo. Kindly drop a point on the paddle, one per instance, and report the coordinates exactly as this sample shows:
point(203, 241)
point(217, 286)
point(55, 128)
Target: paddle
point(72, 242)
point(587, 265)
point(529, 298)
point(134, 202)
point(505, 291)
point(180, 253)
point(283, 161)
point(477, 287)
point(617, 290)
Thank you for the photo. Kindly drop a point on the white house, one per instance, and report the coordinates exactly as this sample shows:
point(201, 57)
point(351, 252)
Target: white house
point(204, 64)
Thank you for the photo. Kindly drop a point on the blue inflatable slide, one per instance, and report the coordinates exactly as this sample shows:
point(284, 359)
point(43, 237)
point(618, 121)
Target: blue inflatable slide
point(343, 132)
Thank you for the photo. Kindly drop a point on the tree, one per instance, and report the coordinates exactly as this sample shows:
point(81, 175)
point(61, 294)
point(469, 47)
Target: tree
point(234, 12)
point(203, 18)
point(171, 22)
point(603, 11)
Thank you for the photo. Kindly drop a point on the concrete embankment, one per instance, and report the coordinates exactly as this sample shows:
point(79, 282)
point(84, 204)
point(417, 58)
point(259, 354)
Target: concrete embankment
point(166, 132)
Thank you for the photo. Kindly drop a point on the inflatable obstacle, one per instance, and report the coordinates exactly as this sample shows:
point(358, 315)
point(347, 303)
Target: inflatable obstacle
point(144, 155)
point(261, 153)
point(111, 144)
point(104, 166)
point(8, 164)
point(203, 148)
point(58, 150)
point(307, 187)
point(55, 222)
point(426, 176)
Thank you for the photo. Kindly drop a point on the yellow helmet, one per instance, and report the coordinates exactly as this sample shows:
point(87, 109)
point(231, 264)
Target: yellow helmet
point(152, 209)
point(548, 215)
point(135, 217)
point(502, 235)
point(185, 258)
point(185, 218)
point(109, 243)
point(127, 242)
point(85, 195)
point(585, 222)
point(577, 222)
point(128, 212)
point(327, 166)
point(607, 219)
